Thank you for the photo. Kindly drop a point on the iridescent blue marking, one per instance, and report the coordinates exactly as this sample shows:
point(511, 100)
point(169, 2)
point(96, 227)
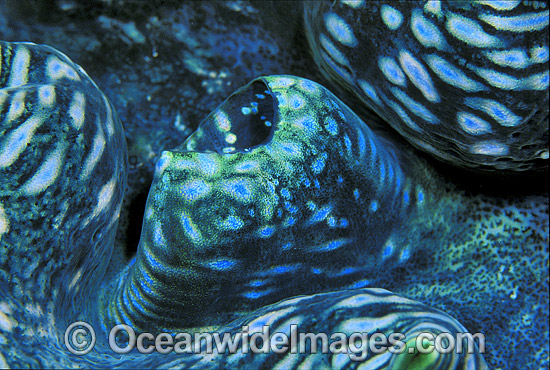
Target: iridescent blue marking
point(320, 214)
point(222, 265)
point(297, 102)
point(388, 250)
point(539, 54)
point(333, 51)
point(340, 30)
point(515, 58)
point(470, 32)
point(403, 115)
point(537, 81)
point(391, 70)
point(283, 269)
point(194, 189)
point(356, 194)
point(332, 245)
point(434, 7)
point(499, 112)
point(188, 227)
point(501, 5)
point(382, 172)
point(17, 141)
point(369, 90)
point(256, 295)
point(148, 283)
point(257, 283)
point(233, 223)
point(289, 207)
point(158, 237)
point(344, 223)
point(153, 262)
point(161, 164)
point(247, 166)
point(425, 31)
point(420, 197)
point(418, 76)
point(135, 301)
point(290, 148)
point(406, 198)
point(337, 67)
point(318, 164)
point(391, 17)
point(373, 206)
point(266, 231)
point(452, 75)
point(346, 271)
point(415, 107)
point(285, 193)
point(309, 86)
point(500, 80)
point(290, 221)
point(20, 66)
point(331, 126)
point(473, 124)
point(331, 222)
point(361, 143)
point(347, 142)
point(520, 23)
point(489, 148)
point(359, 284)
point(306, 123)
point(391, 176)
point(405, 255)
point(239, 189)
point(330, 59)
point(372, 148)
point(281, 99)
point(47, 173)
point(397, 178)
point(286, 246)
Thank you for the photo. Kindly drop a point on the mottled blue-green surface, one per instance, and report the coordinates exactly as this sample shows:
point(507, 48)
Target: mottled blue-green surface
point(281, 191)
point(466, 81)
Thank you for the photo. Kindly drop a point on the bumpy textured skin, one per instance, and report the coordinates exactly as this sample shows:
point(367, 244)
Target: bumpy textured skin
point(62, 147)
point(62, 170)
point(489, 271)
point(245, 213)
point(347, 312)
point(466, 82)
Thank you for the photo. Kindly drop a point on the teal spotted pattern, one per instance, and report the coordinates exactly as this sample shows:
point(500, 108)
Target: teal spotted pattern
point(63, 171)
point(288, 193)
point(346, 313)
point(465, 81)
point(275, 187)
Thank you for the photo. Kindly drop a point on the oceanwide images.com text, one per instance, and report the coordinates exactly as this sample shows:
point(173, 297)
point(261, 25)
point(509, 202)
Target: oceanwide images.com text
point(80, 339)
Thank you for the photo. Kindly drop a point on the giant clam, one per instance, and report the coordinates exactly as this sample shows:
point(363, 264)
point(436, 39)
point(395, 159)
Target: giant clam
point(425, 215)
point(466, 82)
